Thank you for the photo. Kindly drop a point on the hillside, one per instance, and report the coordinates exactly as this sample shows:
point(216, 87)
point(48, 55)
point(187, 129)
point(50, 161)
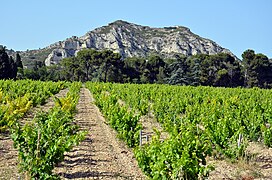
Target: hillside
point(129, 40)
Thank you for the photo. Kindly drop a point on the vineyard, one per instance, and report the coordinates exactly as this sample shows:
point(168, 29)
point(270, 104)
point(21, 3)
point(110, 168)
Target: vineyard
point(174, 132)
point(201, 121)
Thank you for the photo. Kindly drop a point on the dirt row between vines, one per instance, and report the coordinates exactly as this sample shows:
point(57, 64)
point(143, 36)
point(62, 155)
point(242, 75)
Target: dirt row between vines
point(149, 124)
point(101, 155)
point(257, 164)
point(8, 155)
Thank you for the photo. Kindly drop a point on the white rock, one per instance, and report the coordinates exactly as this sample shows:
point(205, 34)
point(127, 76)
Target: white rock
point(135, 40)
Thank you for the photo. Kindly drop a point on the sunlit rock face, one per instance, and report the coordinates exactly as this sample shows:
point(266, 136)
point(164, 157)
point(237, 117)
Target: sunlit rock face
point(134, 40)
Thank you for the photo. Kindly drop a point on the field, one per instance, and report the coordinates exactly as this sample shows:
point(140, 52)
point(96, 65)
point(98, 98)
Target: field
point(128, 131)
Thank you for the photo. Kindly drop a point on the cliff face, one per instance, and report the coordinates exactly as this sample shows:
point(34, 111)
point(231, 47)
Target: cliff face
point(134, 40)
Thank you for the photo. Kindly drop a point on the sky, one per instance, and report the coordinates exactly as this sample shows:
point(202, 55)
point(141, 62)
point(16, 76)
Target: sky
point(237, 25)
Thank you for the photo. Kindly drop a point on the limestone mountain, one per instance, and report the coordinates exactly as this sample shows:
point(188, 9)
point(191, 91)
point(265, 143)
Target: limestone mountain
point(129, 40)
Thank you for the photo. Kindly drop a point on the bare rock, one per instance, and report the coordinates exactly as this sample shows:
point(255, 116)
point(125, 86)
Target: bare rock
point(130, 39)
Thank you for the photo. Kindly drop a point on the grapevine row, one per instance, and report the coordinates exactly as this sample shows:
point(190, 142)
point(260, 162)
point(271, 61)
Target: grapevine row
point(41, 143)
point(201, 121)
point(17, 97)
point(125, 122)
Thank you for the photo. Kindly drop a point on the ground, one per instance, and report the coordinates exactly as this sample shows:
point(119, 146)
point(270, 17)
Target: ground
point(103, 156)
point(100, 156)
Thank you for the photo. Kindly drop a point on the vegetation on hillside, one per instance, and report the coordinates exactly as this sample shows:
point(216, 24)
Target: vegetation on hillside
point(255, 70)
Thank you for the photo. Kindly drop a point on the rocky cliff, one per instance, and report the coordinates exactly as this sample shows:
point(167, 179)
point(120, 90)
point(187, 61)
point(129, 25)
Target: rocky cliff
point(134, 40)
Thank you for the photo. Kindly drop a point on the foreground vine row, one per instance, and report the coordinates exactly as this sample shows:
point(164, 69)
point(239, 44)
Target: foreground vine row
point(42, 141)
point(17, 97)
point(201, 121)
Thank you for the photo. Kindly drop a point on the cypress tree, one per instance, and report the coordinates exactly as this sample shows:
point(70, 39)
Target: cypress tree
point(4, 63)
point(18, 61)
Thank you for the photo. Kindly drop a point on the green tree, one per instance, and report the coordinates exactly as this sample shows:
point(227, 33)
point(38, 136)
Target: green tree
point(13, 68)
point(18, 61)
point(194, 71)
point(214, 70)
point(257, 69)
point(177, 71)
point(161, 76)
point(89, 59)
point(145, 70)
point(111, 66)
point(90, 64)
point(54, 73)
point(250, 76)
point(263, 68)
point(8, 68)
point(228, 72)
point(72, 69)
point(4, 62)
point(133, 68)
point(200, 69)
point(154, 63)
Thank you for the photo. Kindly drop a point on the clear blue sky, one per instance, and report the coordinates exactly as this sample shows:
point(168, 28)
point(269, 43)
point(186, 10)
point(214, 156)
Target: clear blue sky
point(234, 24)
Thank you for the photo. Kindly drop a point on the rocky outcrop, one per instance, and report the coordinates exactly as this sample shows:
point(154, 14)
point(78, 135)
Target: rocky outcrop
point(134, 40)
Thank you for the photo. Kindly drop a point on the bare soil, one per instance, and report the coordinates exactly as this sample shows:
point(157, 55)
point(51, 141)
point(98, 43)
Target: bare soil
point(257, 164)
point(149, 124)
point(8, 159)
point(101, 155)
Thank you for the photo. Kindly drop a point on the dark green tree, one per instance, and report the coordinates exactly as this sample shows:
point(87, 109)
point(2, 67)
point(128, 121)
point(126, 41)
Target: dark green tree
point(89, 60)
point(194, 71)
point(133, 68)
point(54, 73)
point(72, 69)
point(90, 64)
point(257, 69)
point(8, 68)
point(214, 70)
point(200, 70)
point(13, 68)
point(111, 66)
point(4, 63)
point(18, 61)
point(250, 76)
point(228, 73)
point(177, 71)
point(19, 64)
point(161, 76)
point(153, 64)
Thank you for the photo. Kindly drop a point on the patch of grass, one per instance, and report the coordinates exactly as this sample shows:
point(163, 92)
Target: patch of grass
point(246, 170)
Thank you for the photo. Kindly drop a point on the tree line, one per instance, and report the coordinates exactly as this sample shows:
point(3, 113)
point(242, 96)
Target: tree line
point(254, 70)
point(8, 66)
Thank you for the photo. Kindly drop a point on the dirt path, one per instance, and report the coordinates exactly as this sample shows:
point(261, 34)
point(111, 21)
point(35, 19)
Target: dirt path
point(258, 166)
point(8, 155)
point(150, 123)
point(101, 155)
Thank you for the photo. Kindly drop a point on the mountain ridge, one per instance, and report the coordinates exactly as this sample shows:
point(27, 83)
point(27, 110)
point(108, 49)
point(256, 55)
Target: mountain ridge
point(130, 40)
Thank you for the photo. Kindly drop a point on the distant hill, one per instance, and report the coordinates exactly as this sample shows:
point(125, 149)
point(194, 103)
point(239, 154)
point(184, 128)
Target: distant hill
point(129, 40)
